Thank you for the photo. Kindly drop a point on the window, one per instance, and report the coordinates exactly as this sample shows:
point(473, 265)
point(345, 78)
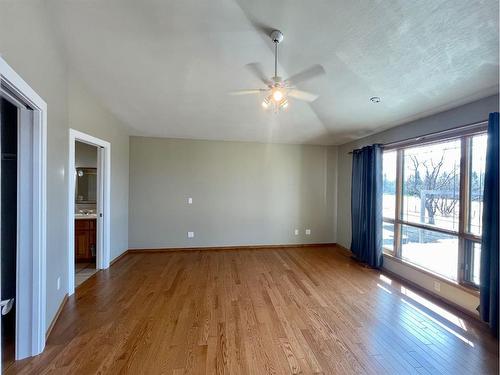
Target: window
point(476, 182)
point(389, 198)
point(433, 202)
point(473, 256)
point(432, 250)
point(388, 236)
point(389, 180)
point(431, 184)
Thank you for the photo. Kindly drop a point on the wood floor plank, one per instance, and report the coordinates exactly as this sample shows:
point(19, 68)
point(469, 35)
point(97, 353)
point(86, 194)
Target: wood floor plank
point(256, 311)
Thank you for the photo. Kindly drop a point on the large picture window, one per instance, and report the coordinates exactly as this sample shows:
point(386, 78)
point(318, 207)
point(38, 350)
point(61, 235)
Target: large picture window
point(432, 203)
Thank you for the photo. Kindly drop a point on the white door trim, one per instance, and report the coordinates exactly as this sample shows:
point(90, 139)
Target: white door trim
point(104, 197)
point(31, 340)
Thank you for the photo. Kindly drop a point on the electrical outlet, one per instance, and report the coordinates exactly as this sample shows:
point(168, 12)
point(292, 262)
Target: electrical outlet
point(190, 200)
point(190, 234)
point(59, 283)
point(296, 232)
point(308, 232)
point(437, 286)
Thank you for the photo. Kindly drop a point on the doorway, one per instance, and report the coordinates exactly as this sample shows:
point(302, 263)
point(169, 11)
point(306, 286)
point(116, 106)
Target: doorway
point(23, 133)
point(86, 204)
point(8, 177)
point(88, 207)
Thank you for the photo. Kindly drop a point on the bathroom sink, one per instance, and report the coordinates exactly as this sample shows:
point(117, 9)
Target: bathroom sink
point(86, 216)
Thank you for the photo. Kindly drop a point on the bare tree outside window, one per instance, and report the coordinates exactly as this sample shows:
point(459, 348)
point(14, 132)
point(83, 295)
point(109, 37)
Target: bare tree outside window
point(431, 184)
point(436, 186)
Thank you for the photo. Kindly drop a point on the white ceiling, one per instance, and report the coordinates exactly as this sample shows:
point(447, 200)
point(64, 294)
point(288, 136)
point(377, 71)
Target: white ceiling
point(165, 67)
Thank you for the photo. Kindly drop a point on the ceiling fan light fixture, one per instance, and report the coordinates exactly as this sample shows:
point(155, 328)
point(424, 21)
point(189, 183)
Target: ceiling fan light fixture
point(283, 103)
point(277, 95)
point(277, 90)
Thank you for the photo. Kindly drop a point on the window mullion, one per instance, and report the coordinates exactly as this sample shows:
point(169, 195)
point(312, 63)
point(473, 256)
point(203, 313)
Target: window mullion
point(399, 205)
point(463, 215)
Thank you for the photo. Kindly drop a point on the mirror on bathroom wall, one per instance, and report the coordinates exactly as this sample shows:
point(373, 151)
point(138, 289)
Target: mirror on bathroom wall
point(86, 185)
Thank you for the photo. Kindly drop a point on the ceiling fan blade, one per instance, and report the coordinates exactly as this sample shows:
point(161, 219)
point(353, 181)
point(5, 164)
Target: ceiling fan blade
point(313, 71)
point(262, 27)
point(257, 70)
point(246, 92)
point(303, 95)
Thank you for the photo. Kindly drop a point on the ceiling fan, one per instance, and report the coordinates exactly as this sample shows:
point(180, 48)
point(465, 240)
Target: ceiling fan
point(277, 90)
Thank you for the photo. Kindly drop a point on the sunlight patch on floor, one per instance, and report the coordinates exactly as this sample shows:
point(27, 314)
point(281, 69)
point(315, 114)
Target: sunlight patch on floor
point(452, 318)
point(454, 333)
point(385, 279)
point(384, 288)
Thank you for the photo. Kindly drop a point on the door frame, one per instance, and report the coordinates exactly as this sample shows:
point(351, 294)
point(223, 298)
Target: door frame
point(103, 202)
point(31, 244)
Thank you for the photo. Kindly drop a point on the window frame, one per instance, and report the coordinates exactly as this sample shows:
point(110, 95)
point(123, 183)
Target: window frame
point(466, 239)
point(469, 263)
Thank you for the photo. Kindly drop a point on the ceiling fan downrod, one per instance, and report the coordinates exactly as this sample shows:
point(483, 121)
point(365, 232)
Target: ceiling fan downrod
point(277, 38)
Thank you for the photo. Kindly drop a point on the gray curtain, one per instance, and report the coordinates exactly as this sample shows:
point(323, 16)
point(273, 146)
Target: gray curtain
point(366, 205)
point(488, 307)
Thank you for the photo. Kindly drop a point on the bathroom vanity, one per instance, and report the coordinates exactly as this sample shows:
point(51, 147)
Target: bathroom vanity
point(85, 238)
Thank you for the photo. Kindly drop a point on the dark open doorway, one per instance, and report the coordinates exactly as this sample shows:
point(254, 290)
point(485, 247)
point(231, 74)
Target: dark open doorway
point(9, 166)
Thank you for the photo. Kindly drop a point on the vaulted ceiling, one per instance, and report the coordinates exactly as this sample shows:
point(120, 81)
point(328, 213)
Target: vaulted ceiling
point(165, 67)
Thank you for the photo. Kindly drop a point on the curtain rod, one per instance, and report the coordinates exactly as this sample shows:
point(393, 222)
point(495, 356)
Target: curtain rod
point(433, 134)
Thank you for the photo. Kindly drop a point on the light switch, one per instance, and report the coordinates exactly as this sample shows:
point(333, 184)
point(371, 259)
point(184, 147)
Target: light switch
point(296, 232)
point(190, 200)
point(190, 234)
point(308, 232)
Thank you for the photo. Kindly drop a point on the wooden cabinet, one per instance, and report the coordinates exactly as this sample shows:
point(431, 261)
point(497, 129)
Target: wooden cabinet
point(85, 240)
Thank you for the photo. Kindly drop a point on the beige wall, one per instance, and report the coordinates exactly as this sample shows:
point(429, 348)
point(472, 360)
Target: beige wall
point(243, 193)
point(331, 191)
point(41, 64)
point(28, 44)
point(87, 115)
point(467, 114)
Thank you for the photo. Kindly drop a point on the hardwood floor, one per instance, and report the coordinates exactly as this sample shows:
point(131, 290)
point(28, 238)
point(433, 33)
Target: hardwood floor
point(265, 311)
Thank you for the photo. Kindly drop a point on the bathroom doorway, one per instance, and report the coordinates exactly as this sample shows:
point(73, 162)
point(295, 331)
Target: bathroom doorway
point(88, 207)
point(86, 171)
